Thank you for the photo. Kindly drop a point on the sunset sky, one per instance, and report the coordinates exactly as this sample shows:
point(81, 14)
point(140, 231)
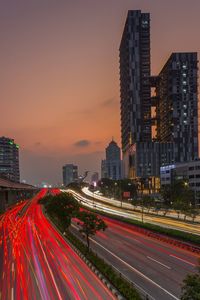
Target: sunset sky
point(59, 74)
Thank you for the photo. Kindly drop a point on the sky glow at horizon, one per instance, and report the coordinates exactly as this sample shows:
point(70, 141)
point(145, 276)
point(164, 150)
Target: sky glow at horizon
point(60, 75)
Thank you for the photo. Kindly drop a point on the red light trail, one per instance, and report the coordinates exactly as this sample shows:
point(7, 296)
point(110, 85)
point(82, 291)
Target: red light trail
point(37, 263)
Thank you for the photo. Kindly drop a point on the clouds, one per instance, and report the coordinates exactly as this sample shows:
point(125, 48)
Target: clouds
point(82, 143)
point(109, 103)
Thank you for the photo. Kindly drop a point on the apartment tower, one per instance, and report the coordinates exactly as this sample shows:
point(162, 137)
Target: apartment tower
point(135, 90)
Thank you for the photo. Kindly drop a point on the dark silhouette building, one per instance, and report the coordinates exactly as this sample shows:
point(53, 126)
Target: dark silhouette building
point(70, 174)
point(159, 114)
point(9, 159)
point(135, 87)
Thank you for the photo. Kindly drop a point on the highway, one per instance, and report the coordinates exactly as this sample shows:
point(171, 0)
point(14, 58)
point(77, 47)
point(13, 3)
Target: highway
point(114, 207)
point(37, 263)
point(157, 269)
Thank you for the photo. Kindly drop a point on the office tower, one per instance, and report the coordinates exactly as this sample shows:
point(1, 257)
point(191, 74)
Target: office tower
point(178, 105)
point(111, 167)
point(135, 87)
point(9, 159)
point(70, 174)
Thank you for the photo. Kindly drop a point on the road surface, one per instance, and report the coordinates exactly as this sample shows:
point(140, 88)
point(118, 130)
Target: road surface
point(156, 268)
point(37, 263)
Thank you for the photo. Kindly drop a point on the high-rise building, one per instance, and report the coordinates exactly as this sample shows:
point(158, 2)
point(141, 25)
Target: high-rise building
point(111, 167)
point(178, 105)
point(70, 174)
point(9, 159)
point(159, 114)
point(135, 87)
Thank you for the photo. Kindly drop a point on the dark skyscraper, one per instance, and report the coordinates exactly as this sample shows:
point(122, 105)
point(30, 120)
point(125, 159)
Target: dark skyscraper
point(159, 114)
point(70, 174)
point(178, 105)
point(134, 82)
point(9, 159)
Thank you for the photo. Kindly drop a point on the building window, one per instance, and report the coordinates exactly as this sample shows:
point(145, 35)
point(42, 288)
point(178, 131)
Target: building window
point(191, 168)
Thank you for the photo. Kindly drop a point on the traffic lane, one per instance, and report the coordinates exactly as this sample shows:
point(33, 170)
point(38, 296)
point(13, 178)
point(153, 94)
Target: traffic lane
point(144, 284)
point(164, 265)
point(167, 267)
point(129, 206)
point(76, 268)
point(126, 231)
point(15, 262)
point(152, 267)
point(111, 208)
point(72, 269)
point(29, 260)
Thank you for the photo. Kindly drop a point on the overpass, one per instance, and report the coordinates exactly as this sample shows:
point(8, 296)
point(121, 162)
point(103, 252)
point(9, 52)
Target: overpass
point(11, 192)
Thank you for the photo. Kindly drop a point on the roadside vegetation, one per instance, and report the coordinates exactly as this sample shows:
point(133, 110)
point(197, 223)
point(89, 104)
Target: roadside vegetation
point(191, 286)
point(177, 197)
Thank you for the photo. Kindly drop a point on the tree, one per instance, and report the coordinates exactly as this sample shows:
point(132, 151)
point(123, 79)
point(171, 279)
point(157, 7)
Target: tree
point(193, 212)
point(191, 286)
point(177, 205)
point(135, 202)
point(90, 223)
point(166, 193)
point(61, 207)
point(148, 202)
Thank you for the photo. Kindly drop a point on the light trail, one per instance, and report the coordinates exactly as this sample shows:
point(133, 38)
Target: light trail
point(104, 204)
point(37, 263)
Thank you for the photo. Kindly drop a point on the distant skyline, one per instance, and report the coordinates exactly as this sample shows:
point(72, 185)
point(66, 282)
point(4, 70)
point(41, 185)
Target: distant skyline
point(59, 82)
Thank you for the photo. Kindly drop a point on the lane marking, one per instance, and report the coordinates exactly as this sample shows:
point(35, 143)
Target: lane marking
point(49, 268)
point(159, 262)
point(136, 271)
point(186, 261)
point(12, 293)
point(120, 271)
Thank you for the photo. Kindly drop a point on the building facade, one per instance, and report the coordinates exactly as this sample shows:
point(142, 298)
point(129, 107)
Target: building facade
point(111, 167)
point(178, 105)
point(9, 159)
point(159, 114)
point(135, 91)
point(187, 171)
point(70, 174)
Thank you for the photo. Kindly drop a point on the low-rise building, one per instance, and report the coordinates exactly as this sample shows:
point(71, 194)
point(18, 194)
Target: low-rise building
point(188, 171)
